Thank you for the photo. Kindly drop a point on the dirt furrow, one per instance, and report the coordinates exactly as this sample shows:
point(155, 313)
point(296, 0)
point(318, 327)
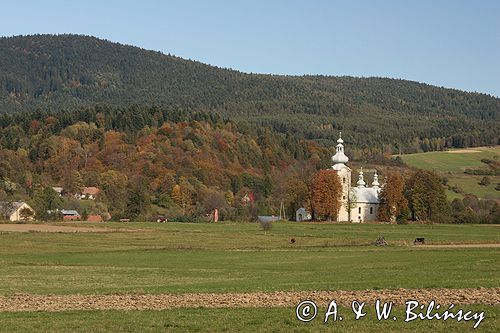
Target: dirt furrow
point(25, 302)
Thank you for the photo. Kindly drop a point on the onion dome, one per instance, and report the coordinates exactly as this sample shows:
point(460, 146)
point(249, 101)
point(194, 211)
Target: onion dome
point(339, 159)
point(361, 182)
point(375, 183)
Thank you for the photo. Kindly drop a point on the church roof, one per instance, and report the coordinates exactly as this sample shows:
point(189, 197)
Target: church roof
point(365, 194)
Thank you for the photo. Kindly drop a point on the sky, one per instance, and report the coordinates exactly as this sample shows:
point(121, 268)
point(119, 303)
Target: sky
point(450, 43)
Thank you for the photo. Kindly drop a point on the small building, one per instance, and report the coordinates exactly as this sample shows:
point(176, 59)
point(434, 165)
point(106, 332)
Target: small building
point(59, 190)
point(248, 198)
point(70, 214)
point(266, 218)
point(94, 218)
point(89, 193)
point(16, 211)
point(302, 214)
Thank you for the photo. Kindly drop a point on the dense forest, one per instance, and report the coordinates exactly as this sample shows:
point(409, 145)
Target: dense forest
point(71, 74)
point(187, 164)
point(181, 168)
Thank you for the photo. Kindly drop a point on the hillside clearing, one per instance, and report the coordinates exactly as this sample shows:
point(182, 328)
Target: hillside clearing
point(452, 164)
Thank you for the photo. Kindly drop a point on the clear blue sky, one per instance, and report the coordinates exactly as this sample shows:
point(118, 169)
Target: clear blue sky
point(447, 43)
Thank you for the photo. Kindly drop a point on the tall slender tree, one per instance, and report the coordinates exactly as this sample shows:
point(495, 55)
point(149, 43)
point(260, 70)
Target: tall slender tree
point(393, 204)
point(326, 194)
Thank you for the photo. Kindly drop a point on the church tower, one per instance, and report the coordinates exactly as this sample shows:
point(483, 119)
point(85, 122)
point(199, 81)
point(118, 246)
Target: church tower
point(344, 173)
point(359, 203)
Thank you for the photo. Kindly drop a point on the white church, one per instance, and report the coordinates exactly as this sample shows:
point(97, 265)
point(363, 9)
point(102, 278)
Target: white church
point(362, 201)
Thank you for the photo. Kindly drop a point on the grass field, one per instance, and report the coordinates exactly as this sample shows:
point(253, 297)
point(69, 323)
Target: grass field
point(451, 164)
point(237, 257)
point(230, 320)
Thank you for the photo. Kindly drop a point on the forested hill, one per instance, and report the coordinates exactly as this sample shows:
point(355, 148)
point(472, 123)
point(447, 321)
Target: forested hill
point(67, 72)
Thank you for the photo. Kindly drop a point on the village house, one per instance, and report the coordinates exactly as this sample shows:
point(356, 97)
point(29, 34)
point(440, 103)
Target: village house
point(302, 214)
point(59, 190)
point(16, 211)
point(89, 193)
point(94, 218)
point(70, 214)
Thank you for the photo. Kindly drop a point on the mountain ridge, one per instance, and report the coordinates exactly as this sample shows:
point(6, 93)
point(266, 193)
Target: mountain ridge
point(58, 72)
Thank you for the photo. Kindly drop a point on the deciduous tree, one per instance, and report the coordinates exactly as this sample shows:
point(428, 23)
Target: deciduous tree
point(326, 194)
point(393, 204)
point(427, 197)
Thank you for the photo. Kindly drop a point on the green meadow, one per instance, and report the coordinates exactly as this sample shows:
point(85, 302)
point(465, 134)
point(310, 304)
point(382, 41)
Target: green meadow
point(239, 257)
point(232, 320)
point(452, 164)
point(233, 257)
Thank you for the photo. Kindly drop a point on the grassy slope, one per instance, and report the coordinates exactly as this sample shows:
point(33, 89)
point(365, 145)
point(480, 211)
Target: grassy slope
point(452, 166)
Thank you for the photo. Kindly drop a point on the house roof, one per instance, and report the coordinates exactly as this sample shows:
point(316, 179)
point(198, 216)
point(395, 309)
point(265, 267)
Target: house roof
point(263, 218)
point(7, 208)
point(58, 189)
point(70, 212)
point(94, 218)
point(90, 191)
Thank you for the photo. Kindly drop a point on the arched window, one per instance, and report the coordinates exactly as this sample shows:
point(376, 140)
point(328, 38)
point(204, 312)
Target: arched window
point(359, 210)
point(343, 180)
point(371, 210)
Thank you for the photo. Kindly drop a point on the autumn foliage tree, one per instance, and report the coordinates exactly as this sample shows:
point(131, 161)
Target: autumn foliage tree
point(296, 195)
point(427, 197)
point(393, 204)
point(326, 194)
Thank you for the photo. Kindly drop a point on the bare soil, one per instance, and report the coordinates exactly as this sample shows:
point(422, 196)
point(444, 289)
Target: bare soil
point(463, 151)
point(23, 302)
point(12, 227)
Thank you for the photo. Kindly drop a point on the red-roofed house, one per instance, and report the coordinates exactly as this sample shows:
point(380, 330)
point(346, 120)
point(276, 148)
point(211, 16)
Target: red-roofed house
point(88, 193)
point(94, 218)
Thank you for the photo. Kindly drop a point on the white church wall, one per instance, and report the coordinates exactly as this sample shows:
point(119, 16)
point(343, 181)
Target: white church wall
point(345, 180)
point(364, 212)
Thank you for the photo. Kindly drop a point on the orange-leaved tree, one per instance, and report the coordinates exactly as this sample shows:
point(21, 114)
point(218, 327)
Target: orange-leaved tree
point(393, 204)
point(326, 194)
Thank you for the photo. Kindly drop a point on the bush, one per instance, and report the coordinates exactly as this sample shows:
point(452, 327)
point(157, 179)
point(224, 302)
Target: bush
point(266, 225)
point(485, 181)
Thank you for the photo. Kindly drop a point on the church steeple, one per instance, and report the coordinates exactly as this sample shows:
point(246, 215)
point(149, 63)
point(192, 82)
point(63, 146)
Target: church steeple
point(339, 159)
point(361, 182)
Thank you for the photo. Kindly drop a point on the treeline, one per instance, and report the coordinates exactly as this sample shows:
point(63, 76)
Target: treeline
point(185, 165)
point(69, 72)
point(420, 196)
point(492, 170)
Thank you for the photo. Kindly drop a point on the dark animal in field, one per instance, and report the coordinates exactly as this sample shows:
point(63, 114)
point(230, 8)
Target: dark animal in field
point(419, 241)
